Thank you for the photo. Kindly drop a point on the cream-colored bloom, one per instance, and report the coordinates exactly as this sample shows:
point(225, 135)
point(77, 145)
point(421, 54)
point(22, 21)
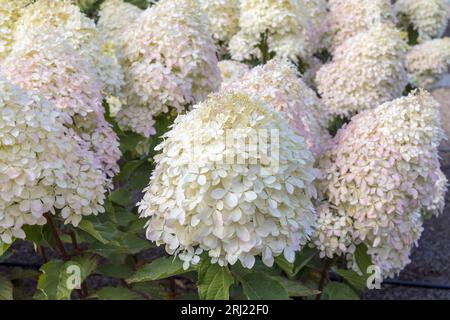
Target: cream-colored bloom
point(232, 71)
point(428, 17)
point(44, 167)
point(278, 83)
point(115, 17)
point(347, 18)
point(223, 18)
point(170, 60)
point(287, 25)
point(45, 63)
point(426, 63)
point(255, 204)
point(9, 13)
point(80, 32)
point(380, 179)
point(367, 70)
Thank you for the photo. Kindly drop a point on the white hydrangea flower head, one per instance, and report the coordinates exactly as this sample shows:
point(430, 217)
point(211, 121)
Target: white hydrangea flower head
point(137, 119)
point(287, 25)
point(346, 18)
point(223, 18)
point(80, 32)
point(231, 71)
point(45, 63)
point(170, 59)
point(428, 17)
point(43, 166)
point(380, 179)
point(115, 17)
point(9, 13)
point(198, 201)
point(367, 70)
point(278, 84)
point(427, 62)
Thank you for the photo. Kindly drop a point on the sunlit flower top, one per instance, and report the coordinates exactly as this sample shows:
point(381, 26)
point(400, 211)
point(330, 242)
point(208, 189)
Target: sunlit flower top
point(115, 17)
point(367, 70)
point(286, 24)
point(170, 60)
point(381, 178)
point(80, 32)
point(427, 62)
point(44, 62)
point(232, 71)
point(346, 18)
point(43, 166)
point(211, 192)
point(428, 17)
point(223, 18)
point(9, 13)
point(279, 84)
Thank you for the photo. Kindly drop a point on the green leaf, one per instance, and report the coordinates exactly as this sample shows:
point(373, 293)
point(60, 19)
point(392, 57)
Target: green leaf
point(121, 271)
point(303, 258)
point(214, 281)
point(49, 279)
point(128, 168)
point(88, 226)
point(129, 141)
point(4, 247)
point(133, 244)
point(286, 266)
point(357, 281)
point(339, 291)
point(363, 260)
point(122, 217)
point(151, 289)
point(140, 178)
point(158, 269)
point(116, 293)
point(122, 197)
point(6, 289)
point(259, 286)
point(294, 288)
point(33, 233)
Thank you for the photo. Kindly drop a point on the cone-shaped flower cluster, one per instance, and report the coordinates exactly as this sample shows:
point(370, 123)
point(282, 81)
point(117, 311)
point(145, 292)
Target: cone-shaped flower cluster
point(115, 17)
point(381, 178)
point(80, 32)
point(426, 63)
point(170, 61)
point(278, 84)
point(428, 17)
point(43, 166)
point(347, 18)
point(285, 23)
point(367, 70)
point(211, 192)
point(232, 71)
point(223, 18)
point(45, 63)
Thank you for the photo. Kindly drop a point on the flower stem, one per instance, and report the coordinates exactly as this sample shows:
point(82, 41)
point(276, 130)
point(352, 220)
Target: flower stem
point(324, 277)
point(56, 236)
point(265, 47)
